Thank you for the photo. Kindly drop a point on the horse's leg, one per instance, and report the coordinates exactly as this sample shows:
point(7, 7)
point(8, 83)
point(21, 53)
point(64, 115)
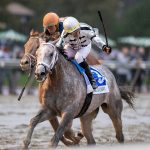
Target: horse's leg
point(86, 126)
point(55, 124)
point(114, 110)
point(67, 118)
point(69, 134)
point(41, 116)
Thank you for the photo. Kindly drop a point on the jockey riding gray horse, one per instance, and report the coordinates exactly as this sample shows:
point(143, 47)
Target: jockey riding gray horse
point(62, 92)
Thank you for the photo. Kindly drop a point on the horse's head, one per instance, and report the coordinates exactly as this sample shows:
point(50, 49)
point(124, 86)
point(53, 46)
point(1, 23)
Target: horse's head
point(28, 60)
point(47, 56)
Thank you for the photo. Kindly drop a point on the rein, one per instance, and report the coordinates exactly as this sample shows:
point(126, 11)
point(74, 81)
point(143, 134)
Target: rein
point(22, 91)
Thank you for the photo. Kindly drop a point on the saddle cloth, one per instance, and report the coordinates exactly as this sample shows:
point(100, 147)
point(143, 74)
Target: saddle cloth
point(99, 78)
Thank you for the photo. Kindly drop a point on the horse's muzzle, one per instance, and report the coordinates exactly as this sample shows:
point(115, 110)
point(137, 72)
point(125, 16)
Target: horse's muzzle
point(25, 64)
point(25, 67)
point(41, 76)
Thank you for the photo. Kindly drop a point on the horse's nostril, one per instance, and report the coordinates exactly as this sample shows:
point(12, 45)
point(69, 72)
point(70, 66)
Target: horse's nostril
point(26, 62)
point(42, 73)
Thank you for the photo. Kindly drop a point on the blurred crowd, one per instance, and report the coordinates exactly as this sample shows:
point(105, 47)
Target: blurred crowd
point(130, 67)
point(9, 76)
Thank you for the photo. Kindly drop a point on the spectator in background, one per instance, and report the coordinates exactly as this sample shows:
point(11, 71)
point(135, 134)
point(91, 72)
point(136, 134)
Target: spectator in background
point(139, 69)
point(1, 71)
point(6, 73)
point(133, 59)
point(133, 52)
point(111, 57)
point(122, 69)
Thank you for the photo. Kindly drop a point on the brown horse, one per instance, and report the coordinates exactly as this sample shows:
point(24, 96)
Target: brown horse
point(27, 64)
point(62, 92)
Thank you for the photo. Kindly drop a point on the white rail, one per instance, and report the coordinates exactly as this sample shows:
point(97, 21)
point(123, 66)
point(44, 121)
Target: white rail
point(14, 63)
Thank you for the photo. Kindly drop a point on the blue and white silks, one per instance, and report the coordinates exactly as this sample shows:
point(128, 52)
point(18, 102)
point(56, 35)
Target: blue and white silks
point(100, 80)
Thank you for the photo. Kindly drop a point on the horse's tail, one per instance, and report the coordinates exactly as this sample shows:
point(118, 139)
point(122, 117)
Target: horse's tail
point(127, 95)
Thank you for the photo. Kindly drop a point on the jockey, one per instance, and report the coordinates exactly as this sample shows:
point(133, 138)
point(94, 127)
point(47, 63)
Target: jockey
point(53, 26)
point(76, 41)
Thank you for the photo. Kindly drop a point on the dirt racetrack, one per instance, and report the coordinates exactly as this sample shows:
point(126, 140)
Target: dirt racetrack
point(15, 117)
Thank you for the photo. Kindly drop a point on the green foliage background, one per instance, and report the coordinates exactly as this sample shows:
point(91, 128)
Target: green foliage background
point(133, 18)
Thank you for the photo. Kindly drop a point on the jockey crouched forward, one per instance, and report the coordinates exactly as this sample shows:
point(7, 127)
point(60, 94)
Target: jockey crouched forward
point(76, 40)
point(53, 26)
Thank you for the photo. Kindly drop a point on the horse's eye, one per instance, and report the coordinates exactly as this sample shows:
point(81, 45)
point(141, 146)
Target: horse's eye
point(51, 54)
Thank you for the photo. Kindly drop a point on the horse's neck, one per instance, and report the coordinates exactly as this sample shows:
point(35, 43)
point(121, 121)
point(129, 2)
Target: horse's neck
point(60, 75)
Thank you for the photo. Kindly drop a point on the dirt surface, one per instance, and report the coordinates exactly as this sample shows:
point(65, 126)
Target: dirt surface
point(15, 117)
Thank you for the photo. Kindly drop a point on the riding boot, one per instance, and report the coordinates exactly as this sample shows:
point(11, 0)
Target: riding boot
point(85, 65)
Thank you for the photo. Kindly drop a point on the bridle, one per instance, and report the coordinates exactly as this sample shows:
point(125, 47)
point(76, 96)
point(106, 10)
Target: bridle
point(31, 57)
point(50, 67)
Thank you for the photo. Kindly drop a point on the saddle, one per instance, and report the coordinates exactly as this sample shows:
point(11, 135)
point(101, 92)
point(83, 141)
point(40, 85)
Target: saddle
point(101, 82)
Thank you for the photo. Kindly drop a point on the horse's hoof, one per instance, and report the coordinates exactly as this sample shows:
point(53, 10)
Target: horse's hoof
point(80, 135)
point(54, 142)
point(25, 148)
point(67, 142)
point(52, 145)
point(26, 144)
point(120, 138)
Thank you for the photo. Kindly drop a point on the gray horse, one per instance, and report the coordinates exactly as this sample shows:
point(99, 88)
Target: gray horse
point(27, 64)
point(62, 92)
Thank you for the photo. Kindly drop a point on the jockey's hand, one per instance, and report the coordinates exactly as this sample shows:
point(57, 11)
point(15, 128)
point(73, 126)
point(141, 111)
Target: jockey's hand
point(107, 49)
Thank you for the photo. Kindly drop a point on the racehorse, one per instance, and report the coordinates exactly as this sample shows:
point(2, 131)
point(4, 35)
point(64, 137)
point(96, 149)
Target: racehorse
point(62, 92)
point(27, 64)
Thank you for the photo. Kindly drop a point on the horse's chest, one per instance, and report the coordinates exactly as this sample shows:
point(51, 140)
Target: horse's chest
point(51, 104)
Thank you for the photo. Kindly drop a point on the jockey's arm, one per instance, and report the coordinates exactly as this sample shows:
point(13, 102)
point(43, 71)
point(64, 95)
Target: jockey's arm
point(96, 39)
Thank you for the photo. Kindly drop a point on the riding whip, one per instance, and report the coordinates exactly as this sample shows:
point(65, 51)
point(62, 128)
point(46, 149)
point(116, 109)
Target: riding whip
point(22, 91)
point(100, 16)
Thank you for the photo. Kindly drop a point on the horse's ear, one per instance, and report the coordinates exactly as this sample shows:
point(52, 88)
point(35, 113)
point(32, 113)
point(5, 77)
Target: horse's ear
point(31, 32)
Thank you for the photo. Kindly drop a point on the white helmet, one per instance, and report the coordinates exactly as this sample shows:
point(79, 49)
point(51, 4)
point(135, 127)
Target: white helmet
point(71, 24)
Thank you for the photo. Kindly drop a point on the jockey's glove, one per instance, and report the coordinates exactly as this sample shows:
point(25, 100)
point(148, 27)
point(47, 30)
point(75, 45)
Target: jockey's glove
point(106, 49)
